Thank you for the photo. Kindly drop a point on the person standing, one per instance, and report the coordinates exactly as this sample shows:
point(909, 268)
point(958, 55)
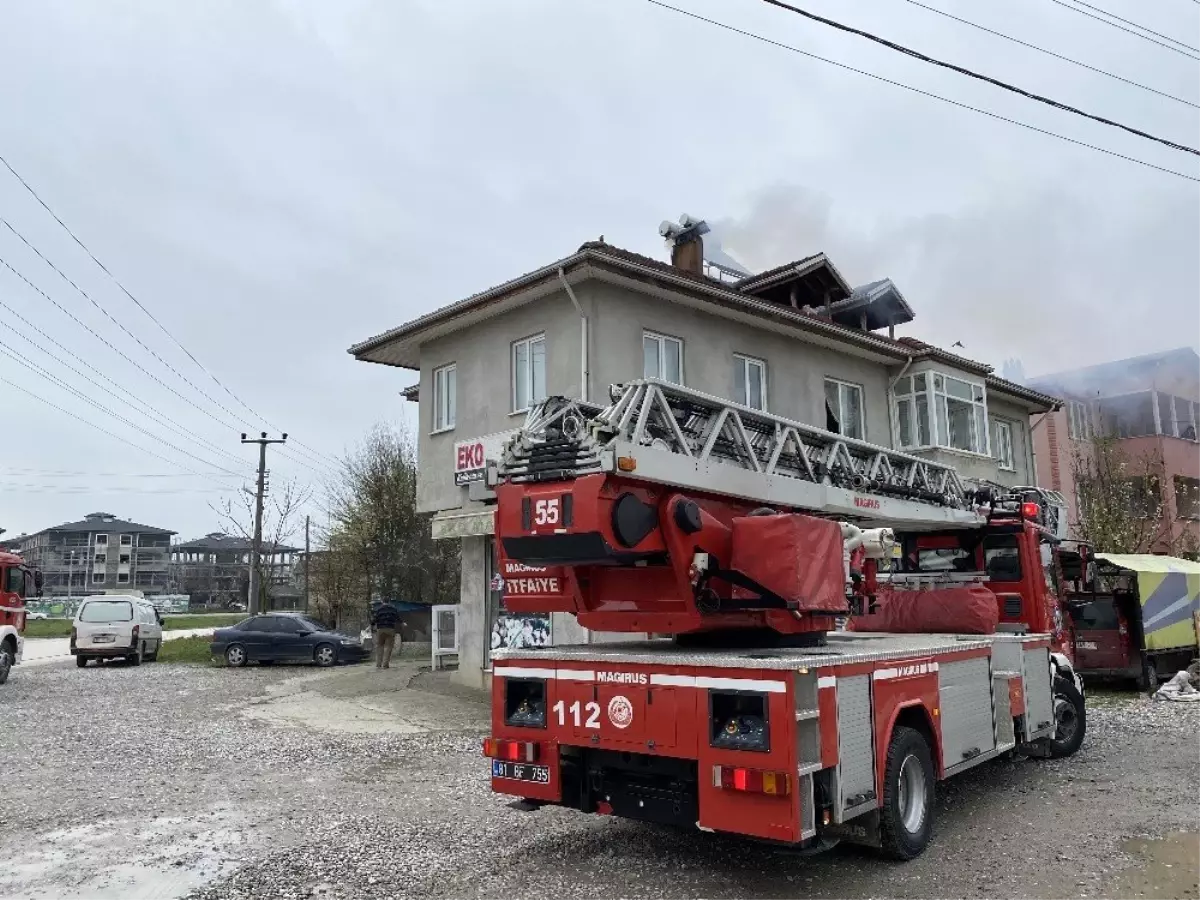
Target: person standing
point(385, 619)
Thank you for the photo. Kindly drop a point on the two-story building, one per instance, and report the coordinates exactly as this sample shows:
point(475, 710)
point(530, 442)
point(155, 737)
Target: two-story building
point(99, 553)
point(797, 340)
point(1150, 407)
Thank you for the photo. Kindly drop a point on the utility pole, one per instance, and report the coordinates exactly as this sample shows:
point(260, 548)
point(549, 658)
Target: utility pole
point(307, 554)
point(256, 550)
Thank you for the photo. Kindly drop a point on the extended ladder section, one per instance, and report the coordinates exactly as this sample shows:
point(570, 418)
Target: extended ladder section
point(667, 434)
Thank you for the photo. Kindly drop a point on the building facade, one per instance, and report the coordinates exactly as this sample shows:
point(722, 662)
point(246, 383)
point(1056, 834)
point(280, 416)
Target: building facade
point(99, 553)
point(1149, 406)
point(797, 340)
point(215, 572)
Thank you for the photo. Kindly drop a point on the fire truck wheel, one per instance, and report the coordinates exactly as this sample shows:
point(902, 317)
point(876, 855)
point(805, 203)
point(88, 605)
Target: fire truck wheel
point(1070, 720)
point(1149, 680)
point(906, 820)
point(6, 661)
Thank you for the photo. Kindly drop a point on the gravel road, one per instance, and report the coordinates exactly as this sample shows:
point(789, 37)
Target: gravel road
point(172, 781)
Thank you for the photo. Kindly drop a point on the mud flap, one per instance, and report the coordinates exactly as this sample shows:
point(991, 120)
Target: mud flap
point(862, 830)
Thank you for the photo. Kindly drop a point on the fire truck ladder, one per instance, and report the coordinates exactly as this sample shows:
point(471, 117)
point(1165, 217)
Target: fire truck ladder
point(663, 433)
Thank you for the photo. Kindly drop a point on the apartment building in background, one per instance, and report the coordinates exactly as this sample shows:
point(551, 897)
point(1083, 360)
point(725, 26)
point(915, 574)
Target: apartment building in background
point(215, 572)
point(99, 553)
point(798, 340)
point(1150, 406)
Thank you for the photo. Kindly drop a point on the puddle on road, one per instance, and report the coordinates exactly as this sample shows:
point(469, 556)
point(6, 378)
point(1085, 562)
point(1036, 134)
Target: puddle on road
point(1167, 867)
point(117, 859)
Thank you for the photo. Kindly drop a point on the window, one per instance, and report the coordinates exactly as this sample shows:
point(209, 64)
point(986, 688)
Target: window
point(1187, 497)
point(16, 581)
point(1145, 498)
point(123, 559)
point(1002, 446)
point(97, 578)
point(1131, 415)
point(102, 540)
point(445, 384)
point(127, 540)
point(1177, 417)
point(843, 408)
point(1079, 421)
point(959, 413)
point(101, 558)
point(103, 611)
point(122, 578)
point(750, 377)
point(528, 372)
point(662, 357)
point(1002, 557)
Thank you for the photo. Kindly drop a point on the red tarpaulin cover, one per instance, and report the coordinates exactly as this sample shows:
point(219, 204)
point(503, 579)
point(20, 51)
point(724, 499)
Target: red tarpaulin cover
point(957, 610)
point(798, 557)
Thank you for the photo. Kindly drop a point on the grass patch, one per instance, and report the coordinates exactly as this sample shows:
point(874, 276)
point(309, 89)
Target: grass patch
point(186, 650)
point(51, 628)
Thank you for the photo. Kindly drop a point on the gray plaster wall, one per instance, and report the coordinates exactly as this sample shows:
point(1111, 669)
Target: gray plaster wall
point(472, 614)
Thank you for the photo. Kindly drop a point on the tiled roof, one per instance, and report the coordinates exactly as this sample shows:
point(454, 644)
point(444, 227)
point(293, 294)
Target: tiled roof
point(107, 525)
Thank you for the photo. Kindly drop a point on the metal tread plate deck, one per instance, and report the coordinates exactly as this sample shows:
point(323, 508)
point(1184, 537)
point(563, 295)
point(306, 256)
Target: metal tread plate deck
point(842, 649)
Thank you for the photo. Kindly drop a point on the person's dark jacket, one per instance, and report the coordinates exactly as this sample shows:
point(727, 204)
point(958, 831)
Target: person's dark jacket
point(386, 616)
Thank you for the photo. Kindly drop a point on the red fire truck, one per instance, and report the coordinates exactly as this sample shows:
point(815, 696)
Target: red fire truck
point(17, 581)
point(731, 544)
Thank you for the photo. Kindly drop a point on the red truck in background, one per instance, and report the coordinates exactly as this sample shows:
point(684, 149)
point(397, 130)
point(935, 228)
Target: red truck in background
point(17, 582)
point(746, 538)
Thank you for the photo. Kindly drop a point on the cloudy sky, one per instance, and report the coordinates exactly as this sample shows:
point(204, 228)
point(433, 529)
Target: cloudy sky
point(274, 181)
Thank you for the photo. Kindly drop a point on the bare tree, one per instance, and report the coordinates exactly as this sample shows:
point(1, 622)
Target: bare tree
point(1120, 498)
point(281, 521)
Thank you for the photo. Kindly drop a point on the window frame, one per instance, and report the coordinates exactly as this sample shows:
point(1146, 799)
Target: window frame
point(527, 342)
point(936, 399)
point(127, 540)
point(98, 578)
point(862, 405)
point(744, 363)
point(1004, 425)
point(662, 340)
point(1179, 487)
point(101, 539)
point(445, 402)
point(1080, 424)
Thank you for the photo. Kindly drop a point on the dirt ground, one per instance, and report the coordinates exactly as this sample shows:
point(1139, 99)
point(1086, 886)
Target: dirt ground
point(217, 784)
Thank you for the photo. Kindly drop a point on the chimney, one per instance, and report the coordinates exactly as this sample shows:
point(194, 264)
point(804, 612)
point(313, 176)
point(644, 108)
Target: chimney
point(687, 243)
point(687, 253)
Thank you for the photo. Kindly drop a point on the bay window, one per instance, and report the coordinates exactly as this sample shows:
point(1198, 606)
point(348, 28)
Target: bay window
point(936, 410)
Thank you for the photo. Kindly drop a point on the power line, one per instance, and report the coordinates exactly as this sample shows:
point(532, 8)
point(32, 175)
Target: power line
point(971, 73)
point(1074, 62)
point(100, 489)
point(140, 366)
point(54, 379)
point(1111, 24)
point(1105, 12)
point(60, 473)
point(76, 417)
point(125, 394)
point(315, 455)
point(924, 93)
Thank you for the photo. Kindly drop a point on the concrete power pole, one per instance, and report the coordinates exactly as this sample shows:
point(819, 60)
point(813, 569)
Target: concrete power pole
point(306, 563)
point(256, 549)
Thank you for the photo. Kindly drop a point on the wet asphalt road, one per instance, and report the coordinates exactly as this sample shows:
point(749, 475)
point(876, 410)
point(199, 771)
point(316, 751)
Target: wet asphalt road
point(168, 781)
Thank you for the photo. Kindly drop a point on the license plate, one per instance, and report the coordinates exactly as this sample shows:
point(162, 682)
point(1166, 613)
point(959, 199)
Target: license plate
point(520, 771)
point(1086, 645)
point(104, 638)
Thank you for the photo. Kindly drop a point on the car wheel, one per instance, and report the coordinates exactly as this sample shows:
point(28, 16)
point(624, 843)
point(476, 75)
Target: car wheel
point(1149, 680)
point(80, 661)
point(906, 822)
point(325, 655)
point(1070, 719)
point(235, 655)
point(6, 662)
point(136, 659)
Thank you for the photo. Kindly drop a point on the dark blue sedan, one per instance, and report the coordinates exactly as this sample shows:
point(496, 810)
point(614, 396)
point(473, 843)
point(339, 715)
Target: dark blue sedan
point(285, 637)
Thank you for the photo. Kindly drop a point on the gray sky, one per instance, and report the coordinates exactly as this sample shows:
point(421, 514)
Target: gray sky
point(275, 181)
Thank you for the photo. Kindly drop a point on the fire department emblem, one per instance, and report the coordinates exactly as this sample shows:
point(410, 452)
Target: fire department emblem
point(620, 712)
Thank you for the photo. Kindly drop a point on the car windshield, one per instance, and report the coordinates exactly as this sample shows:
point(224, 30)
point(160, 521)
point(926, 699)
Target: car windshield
point(107, 611)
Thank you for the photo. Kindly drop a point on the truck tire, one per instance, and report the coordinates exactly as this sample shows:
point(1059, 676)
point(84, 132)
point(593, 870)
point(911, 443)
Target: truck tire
point(7, 655)
point(906, 820)
point(1149, 680)
point(1070, 719)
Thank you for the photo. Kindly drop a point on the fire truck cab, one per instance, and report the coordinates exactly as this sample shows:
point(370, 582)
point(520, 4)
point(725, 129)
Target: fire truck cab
point(17, 582)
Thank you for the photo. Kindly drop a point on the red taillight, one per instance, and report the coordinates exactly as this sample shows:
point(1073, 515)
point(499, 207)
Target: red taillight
point(513, 751)
point(1031, 510)
point(751, 781)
